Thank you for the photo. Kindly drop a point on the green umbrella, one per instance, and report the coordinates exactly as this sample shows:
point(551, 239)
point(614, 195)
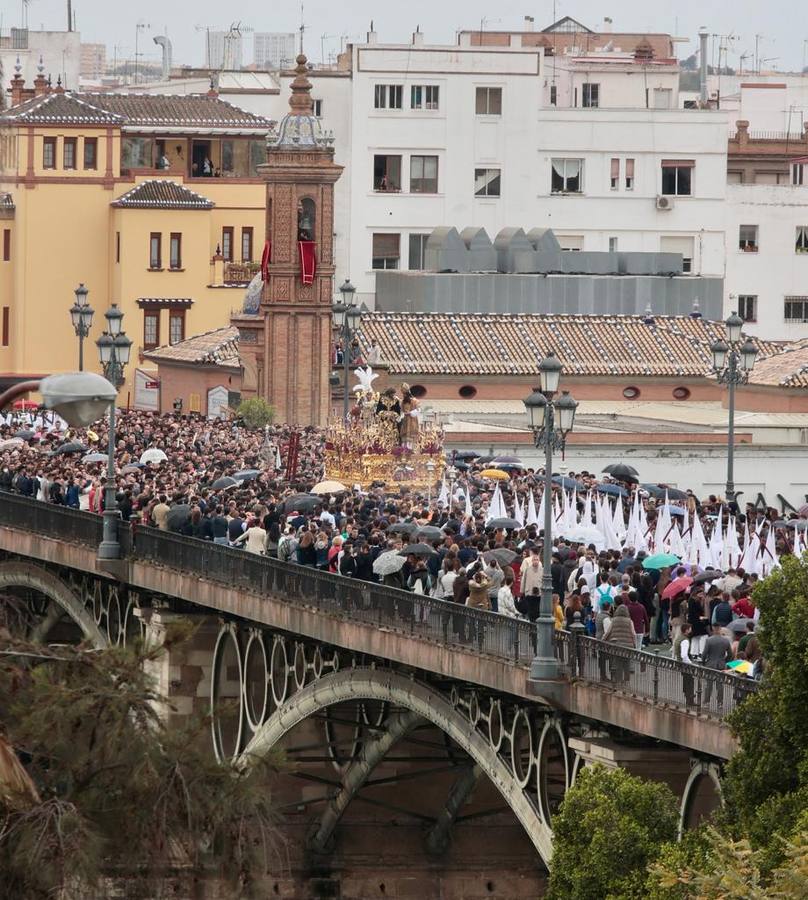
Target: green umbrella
point(660, 561)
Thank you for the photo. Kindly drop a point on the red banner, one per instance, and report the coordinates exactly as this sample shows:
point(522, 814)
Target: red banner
point(265, 260)
point(308, 261)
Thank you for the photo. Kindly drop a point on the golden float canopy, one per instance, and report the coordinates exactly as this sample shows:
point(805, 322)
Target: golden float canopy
point(495, 474)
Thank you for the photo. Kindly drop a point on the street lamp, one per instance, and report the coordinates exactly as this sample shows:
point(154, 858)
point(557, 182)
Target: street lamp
point(732, 363)
point(550, 421)
point(81, 315)
point(114, 348)
point(347, 316)
point(430, 470)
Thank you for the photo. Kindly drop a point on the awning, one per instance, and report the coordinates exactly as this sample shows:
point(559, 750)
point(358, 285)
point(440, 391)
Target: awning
point(164, 302)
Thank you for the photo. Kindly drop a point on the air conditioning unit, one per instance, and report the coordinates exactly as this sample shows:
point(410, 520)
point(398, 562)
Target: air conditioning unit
point(663, 201)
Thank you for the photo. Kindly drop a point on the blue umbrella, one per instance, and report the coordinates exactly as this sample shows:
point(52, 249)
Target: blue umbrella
point(569, 484)
point(673, 510)
point(614, 489)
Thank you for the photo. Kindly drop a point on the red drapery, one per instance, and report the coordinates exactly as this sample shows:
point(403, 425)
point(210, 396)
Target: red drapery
point(308, 261)
point(265, 260)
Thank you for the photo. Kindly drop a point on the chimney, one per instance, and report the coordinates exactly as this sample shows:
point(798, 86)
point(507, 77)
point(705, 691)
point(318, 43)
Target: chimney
point(529, 23)
point(607, 25)
point(703, 35)
point(17, 84)
point(373, 37)
point(418, 37)
point(213, 90)
point(165, 45)
point(59, 89)
point(40, 82)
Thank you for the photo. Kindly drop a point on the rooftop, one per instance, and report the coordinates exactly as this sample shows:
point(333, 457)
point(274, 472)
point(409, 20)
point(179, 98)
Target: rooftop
point(212, 348)
point(789, 368)
point(133, 111)
point(158, 193)
point(587, 345)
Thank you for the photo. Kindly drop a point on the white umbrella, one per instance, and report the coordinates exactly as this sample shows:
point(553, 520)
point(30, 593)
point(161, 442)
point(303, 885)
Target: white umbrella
point(388, 563)
point(153, 455)
point(94, 458)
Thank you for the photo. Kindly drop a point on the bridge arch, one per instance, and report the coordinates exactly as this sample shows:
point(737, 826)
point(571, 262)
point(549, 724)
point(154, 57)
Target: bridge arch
point(702, 795)
point(15, 574)
point(416, 697)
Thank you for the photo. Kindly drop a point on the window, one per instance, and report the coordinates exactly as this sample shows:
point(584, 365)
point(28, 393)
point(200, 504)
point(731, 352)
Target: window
point(553, 95)
point(151, 328)
point(488, 101)
point(227, 244)
point(69, 153)
point(49, 153)
point(417, 251)
point(156, 250)
point(386, 251)
point(6, 245)
point(487, 182)
point(748, 238)
point(176, 326)
point(590, 95)
point(386, 172)
point(677, 177)
point(631, 392)
point(424, 96)
point(175, 251)
point(680, 393)
point(467, 391)
point(117, 246)
point(388, 96)
point(747, 307)
point(684, 245)
point(801, 244)
point(566, 176)
point(612, 245)
point(798, 173)
point(90, 153)
point(6, 316)
point(137, 153)
point(629, 174)
point(614, 177)
point(317, 108)
point(423, 174)
point(571, 241)
point(246, 244)
point(795, 309)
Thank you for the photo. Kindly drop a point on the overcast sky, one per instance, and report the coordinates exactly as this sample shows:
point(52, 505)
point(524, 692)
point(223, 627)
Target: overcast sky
point(782, 24)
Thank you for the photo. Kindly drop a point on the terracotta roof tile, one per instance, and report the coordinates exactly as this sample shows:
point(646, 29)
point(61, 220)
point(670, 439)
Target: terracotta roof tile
point(437, 343)
point(59, 108)
point(161, 193)
point(789, 368)
point(218, 347)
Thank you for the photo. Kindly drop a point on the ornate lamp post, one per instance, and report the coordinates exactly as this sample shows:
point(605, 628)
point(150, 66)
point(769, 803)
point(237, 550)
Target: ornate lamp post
point(114, 348)
point(732, 363)
point(346, 317)
point(81, 315)
point(550, 421)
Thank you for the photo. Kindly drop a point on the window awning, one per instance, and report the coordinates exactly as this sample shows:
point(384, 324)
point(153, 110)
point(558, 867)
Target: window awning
point(164, 302)
point(682, 163)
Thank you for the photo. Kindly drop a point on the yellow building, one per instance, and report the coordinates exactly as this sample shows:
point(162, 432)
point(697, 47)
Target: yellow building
point(153, 202)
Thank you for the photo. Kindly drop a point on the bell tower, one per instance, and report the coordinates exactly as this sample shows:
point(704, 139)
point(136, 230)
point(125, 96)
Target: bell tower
point(285, 345)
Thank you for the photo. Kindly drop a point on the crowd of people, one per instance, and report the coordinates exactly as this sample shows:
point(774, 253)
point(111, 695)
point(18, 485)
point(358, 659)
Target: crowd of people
point(221, 482)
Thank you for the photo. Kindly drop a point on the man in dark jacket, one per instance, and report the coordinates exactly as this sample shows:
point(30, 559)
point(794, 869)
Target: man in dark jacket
point(716, 654)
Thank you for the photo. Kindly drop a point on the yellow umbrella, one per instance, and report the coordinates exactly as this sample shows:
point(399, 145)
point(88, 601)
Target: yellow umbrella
point(329, 487)
point(91, 435)
point(496, 474)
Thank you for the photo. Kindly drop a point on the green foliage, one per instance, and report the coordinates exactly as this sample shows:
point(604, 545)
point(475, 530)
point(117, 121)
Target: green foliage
point(766, 783)
point(610, 826)
point(256, 412)
point(119, 791)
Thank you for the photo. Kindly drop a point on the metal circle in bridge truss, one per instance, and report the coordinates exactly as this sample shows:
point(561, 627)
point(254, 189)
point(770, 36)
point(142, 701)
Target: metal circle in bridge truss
point(114, 616)
point(317, 663)
point(552, 769)
point(374, 713)
point(256, 680)
point(474, 709)
point(98, 603)
point(495, 727)
point(521, 740)
point(279, 671)
point(226, 653)
point(577, 765)
point(300, 665)
point(454, 696)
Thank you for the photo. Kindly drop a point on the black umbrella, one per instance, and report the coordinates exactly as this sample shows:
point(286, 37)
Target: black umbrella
point(484, 459)
point(502, 523)
point(461, 465)
point(429, 533)
point(247, 474)
point(618, 470)
point(614, 489)
point(224, 482)
point(70, 447)
point(25, 434)
point(403, 528)
point(708, 575)
point(654, 490)
point(452, 526)
point(674, 493)
point(178, 516)
point(301, 503)
point(466, 454)
point(418, 550)
point(502, 555)
point(508, 460)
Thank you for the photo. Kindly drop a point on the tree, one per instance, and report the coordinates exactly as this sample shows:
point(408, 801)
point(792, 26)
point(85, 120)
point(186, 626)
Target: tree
point(610, 826)
point(766, 782)
point(111, 790)
point(256, 412)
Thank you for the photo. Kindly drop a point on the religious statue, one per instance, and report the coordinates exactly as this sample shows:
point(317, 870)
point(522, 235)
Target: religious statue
point(365, 396)
point(410, 419)
point(388, 415)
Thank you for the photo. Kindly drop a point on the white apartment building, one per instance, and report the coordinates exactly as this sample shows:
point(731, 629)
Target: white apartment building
point(274, 50)
point(223, 49)
point(58, 53)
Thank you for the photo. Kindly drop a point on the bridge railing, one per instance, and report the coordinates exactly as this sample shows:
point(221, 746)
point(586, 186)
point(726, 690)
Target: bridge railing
point(660, 679)
point(390, 608)
point(50, 519)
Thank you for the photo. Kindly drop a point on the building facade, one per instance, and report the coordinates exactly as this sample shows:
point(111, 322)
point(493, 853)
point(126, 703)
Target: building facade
point(273, 49)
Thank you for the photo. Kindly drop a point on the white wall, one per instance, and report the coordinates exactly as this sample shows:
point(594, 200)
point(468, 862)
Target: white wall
point(622, 85)
point(61, 56)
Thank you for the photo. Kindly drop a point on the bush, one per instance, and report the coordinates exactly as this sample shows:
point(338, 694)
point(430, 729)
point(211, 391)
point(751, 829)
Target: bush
point(256, 412)
point(609, 828)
